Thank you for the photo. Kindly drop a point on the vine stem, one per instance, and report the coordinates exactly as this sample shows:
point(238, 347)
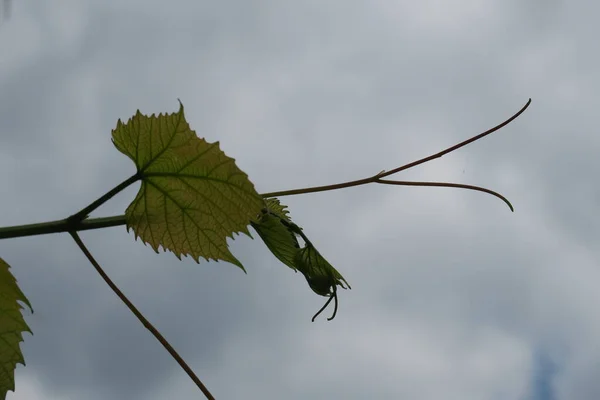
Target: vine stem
point(383, 174)
point(83, 214)
point(79, 222)
point(141, 318)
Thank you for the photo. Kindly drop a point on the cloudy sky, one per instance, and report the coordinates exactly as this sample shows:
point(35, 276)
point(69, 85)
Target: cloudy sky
point(453, 296)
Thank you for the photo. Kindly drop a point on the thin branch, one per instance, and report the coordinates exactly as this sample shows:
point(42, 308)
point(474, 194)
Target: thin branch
point(141, 318)
point(457, 146)
point(63, 225)
point(446, 184)
point(383, 174)
point(83, 214)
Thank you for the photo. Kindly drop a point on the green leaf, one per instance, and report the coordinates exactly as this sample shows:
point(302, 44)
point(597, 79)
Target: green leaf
point(12, 325)
point(279, 233)
point(273, 206)
point(278, 238)
point(321, 276)
point(193, 197)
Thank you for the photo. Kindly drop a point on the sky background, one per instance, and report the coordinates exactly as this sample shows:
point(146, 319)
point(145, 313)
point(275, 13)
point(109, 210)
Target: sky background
point(453, 296)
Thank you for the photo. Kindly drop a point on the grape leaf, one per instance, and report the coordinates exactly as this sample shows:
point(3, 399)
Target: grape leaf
point(12, 325)
point(279, 233)
point(321, 276)
point(282, 243)
point(273, 206)
point(192, 195)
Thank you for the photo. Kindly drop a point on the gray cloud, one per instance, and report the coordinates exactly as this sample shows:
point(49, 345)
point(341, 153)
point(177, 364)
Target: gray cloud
point(452, 295)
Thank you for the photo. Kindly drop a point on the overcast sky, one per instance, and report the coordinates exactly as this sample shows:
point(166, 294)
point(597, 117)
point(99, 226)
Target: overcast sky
point(453, 296)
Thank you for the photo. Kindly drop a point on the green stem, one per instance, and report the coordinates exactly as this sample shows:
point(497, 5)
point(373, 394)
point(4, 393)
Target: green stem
point(78, 221)
point(383, 174)
point(63, 225)
point(83, 214)
point(448, 184)
point(141, 317)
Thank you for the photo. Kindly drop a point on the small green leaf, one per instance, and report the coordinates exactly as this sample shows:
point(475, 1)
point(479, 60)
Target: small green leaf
point(192, 195)
point(282, 243)
point(12, 325)
point(279, 233)
point(321, 276)
point(273, 206)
